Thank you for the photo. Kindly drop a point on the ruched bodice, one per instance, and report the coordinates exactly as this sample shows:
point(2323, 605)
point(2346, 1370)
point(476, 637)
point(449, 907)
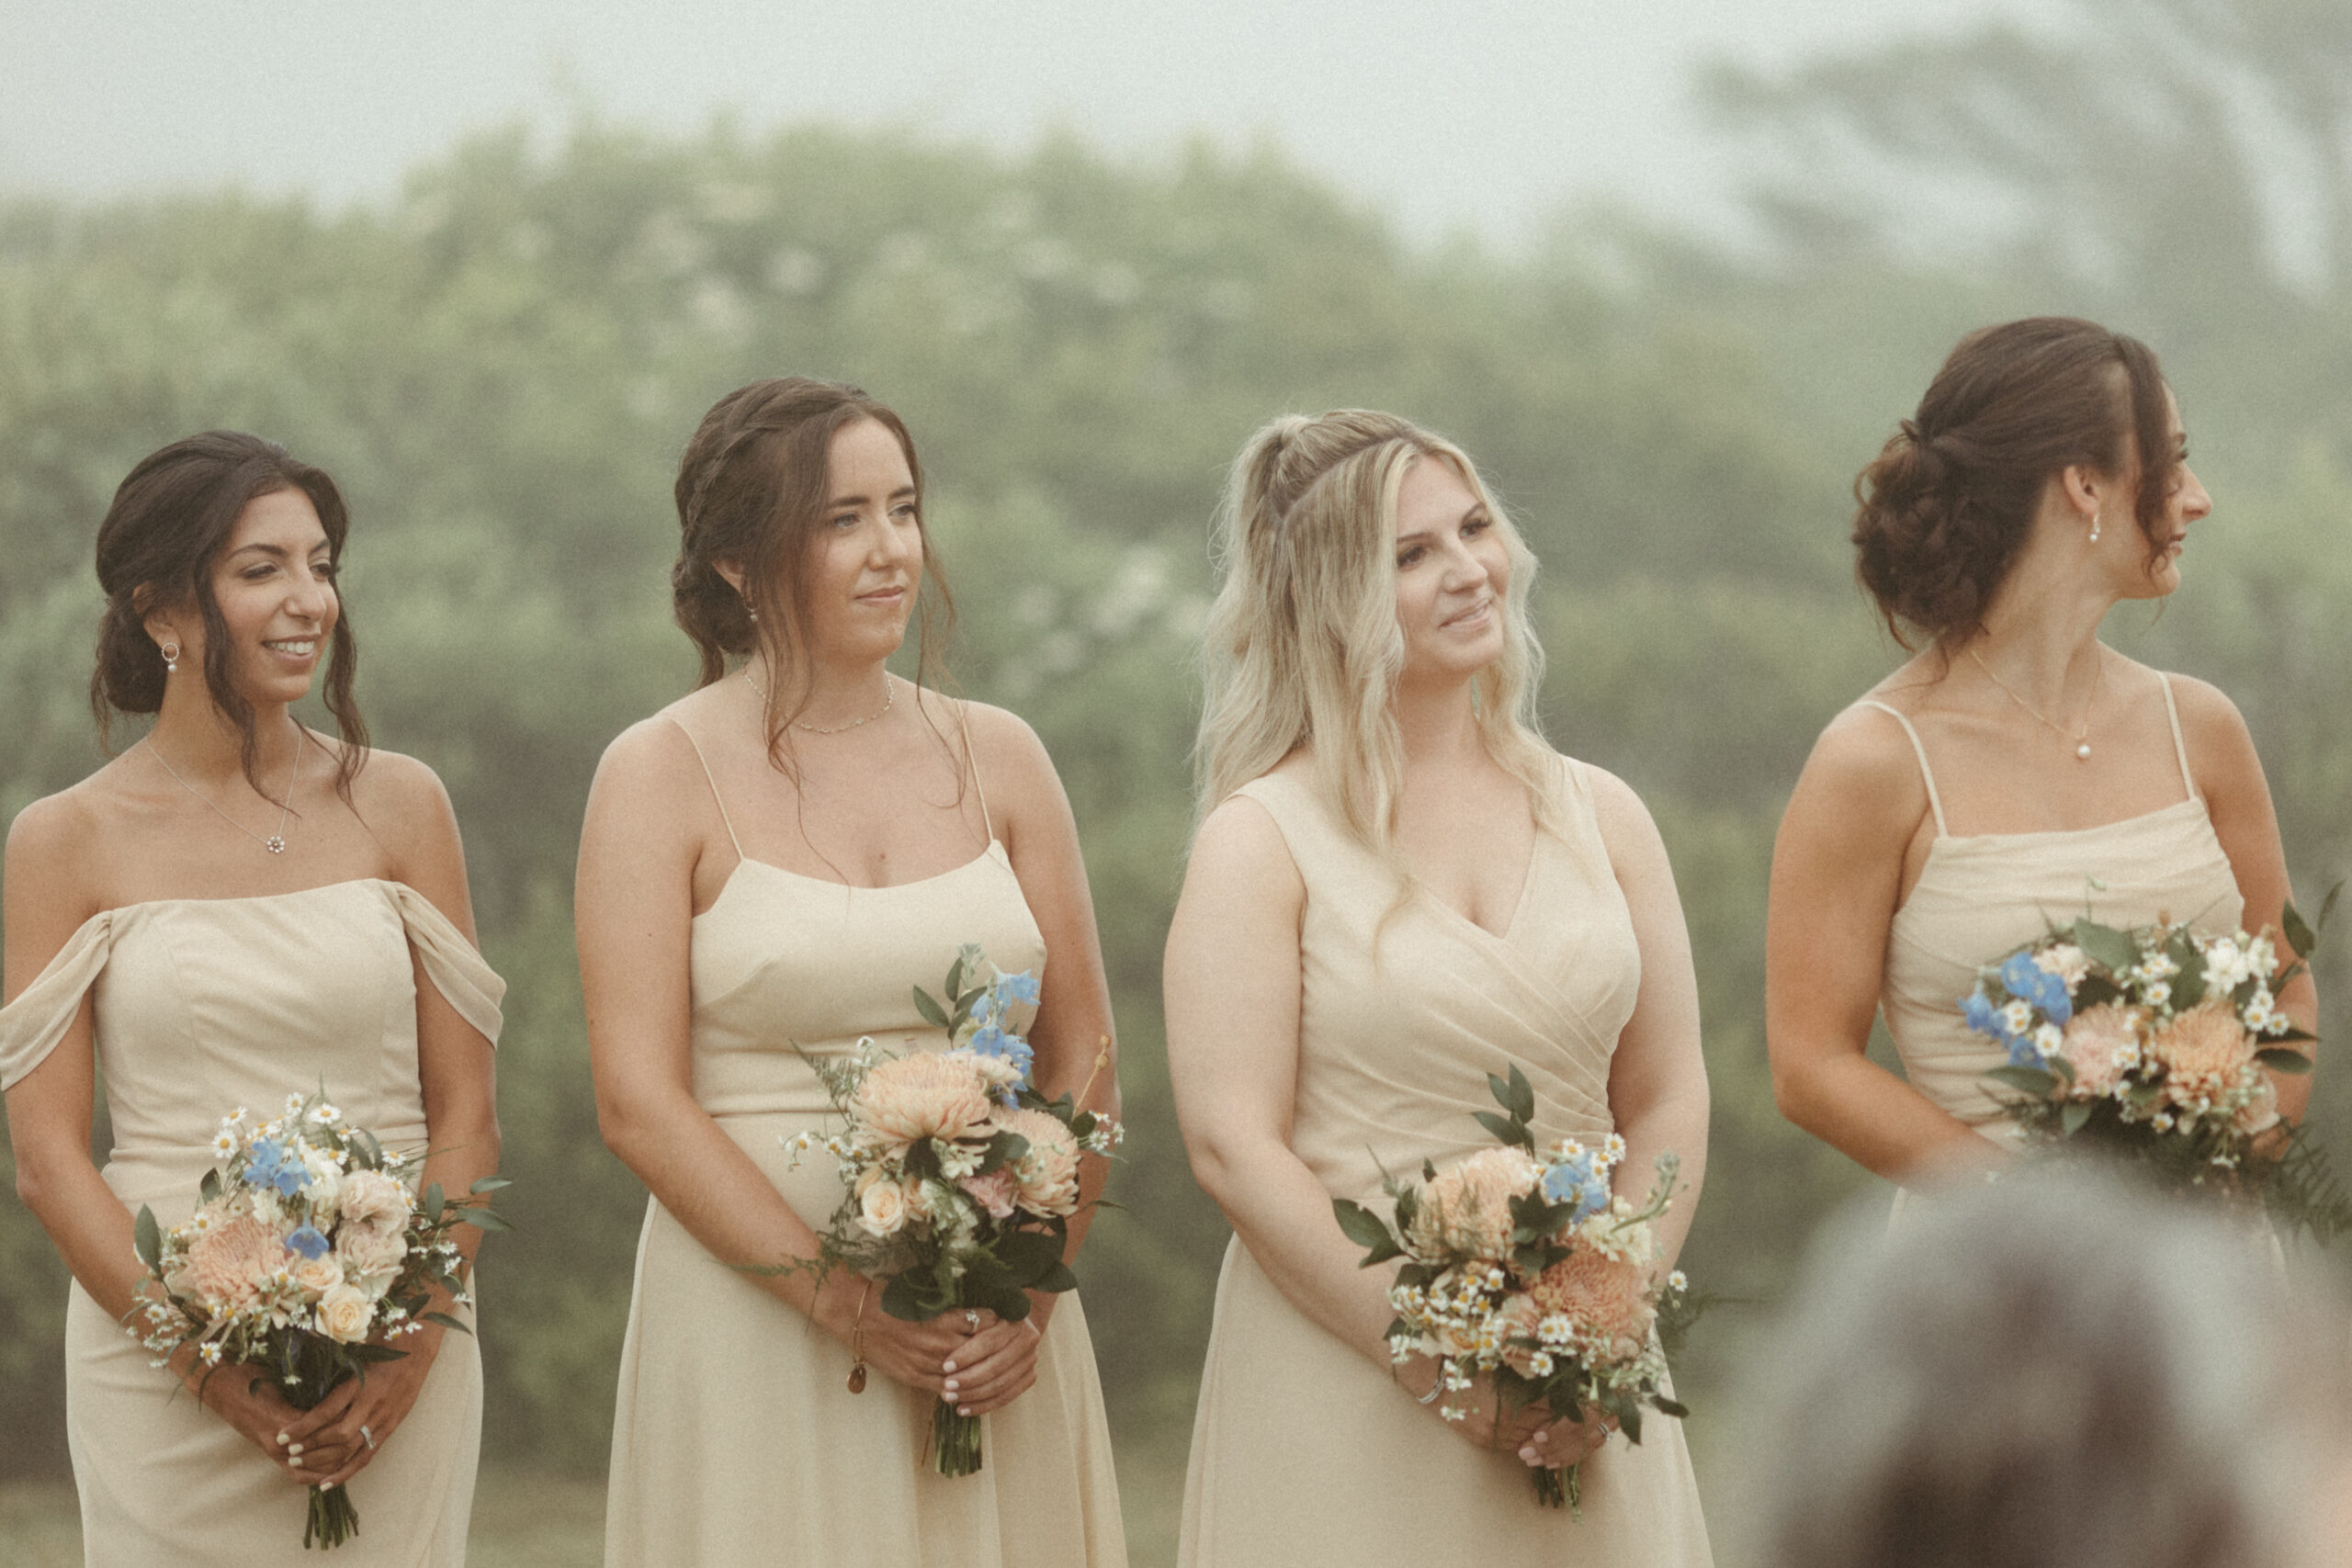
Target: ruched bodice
point(202, 1005)
point(735, 1439)
point(1303, 1449)
point(1982, 895)
point(1396, 1038)
point(783, 961)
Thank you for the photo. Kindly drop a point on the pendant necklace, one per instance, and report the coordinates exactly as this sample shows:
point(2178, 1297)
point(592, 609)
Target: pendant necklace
point(276, 842)
point(2081, 737)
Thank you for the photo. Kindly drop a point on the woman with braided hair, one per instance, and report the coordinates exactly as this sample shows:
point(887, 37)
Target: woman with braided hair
point(2014, 765)
point(1397, 890)
point(768, 867)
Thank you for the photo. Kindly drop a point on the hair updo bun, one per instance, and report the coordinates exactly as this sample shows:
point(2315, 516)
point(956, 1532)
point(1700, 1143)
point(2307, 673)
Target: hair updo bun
point(1948, 504)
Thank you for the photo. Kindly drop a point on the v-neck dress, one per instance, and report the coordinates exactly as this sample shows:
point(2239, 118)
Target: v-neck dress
point(736, 1439)
point(1304, 1452)
point(202, 1005)
point(1983, 895)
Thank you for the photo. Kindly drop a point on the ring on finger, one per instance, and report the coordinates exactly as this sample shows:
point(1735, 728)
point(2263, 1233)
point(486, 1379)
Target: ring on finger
point(971, 1320)
point(365, 1436)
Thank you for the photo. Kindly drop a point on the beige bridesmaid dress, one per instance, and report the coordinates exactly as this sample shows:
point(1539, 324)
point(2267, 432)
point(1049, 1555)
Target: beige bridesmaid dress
point(1981, 896)
point(1303, 1450)
point(202, 1005)
point(736, 1439)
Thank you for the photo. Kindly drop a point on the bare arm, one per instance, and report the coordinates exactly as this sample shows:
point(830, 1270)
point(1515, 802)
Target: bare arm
point(1836, 874)
point(1232, 986)
point(1072, 1031)
point(2229, 772)
point(1657, 1080)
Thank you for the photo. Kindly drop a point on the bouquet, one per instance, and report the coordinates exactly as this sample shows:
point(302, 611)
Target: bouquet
point(2150, 1042)
point(306, 1257)
point(961, 1178)
point(1521, 1267)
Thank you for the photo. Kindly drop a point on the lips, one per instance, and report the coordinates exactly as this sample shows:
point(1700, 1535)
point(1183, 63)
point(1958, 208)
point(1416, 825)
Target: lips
point(293, 646)
point(1474, 612)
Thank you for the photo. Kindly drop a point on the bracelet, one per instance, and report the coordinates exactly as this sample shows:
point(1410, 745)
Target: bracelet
point(857, 1341)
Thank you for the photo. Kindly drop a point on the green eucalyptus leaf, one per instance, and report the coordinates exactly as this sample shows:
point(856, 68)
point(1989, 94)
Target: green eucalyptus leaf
point(1363, 1227)
point(432, 1202)
point(932, 1013)
point(1505, 1131)
point(2026, 1080)
point(2290, 1062)
point(1058, 1279)
point(446, 1320)
point(903, 1297)
point(488, 1184)
point(2299, 935)
point(2070, 1120)
point(484, 1219)
point(147, 1237)
point(2105, 945)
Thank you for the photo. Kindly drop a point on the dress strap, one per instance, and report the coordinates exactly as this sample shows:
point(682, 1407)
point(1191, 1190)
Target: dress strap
point(712, 779)
point(455, 966)
point(2179, 747)
point(979, 788)
point(31, 1026)
point(1927, 774)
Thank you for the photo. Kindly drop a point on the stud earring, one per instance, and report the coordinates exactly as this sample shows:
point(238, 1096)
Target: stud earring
point(754, 614)
point(171, 652)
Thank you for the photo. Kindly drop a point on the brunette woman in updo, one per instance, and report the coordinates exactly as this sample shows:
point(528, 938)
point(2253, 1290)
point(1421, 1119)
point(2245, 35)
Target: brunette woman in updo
point(769, 867)
point(2016, 769)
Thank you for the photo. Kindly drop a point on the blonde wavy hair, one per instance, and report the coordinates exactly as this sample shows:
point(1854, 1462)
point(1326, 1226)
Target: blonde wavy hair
point(1302, 645)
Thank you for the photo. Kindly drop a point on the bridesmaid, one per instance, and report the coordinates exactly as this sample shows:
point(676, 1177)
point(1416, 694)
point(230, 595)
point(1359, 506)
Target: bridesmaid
point(769, 865)
point(234, 910)
point(1399, 889)
point(2016, 769)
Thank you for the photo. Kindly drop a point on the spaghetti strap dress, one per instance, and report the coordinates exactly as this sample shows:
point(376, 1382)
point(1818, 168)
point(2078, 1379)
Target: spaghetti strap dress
point(735, 1439)
point(1305, 1451)
point(202, 1005)
point(1982, 895)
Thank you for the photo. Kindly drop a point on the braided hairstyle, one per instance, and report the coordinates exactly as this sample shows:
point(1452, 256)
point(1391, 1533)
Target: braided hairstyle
point(170, 518)
point(1946, 508)
point(751, 492)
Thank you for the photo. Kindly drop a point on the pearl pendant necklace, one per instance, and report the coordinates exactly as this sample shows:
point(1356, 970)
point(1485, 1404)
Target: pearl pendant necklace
point(276, 842)
point(2081, 737)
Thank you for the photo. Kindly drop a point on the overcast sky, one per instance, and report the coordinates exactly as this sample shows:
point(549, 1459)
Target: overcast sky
point(1468, 114)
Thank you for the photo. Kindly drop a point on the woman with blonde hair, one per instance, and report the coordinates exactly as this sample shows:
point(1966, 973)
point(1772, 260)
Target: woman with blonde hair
point(1397, 890)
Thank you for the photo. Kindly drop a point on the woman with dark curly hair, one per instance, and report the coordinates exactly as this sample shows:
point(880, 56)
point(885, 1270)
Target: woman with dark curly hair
point(2014, 768)
point(234, 910)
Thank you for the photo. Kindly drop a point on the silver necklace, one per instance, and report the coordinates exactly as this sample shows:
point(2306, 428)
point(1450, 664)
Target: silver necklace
point(2081, 737)
point(889, 695)
point(276, 842)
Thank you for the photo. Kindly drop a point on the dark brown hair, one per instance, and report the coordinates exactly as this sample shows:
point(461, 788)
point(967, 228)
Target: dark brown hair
point(1949, 504)
point(751, 492)
point(170, 520)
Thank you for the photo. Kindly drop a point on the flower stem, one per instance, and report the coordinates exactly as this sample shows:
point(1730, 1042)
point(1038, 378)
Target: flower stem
point(954, 1440)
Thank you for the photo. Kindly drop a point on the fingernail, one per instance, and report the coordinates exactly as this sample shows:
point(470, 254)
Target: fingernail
point(962, 1410)
point(281, 1440)
point(952, 1386)
point(946, 1366)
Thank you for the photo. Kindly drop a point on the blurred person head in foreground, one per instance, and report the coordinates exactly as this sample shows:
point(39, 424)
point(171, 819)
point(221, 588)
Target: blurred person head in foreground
point(2057, 1370)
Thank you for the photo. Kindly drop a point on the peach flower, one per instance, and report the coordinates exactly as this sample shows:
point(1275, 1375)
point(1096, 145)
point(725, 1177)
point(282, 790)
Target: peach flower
point(1516, 1320)
point(2102, 1042)
point(371, 1198)
point(912, 1097)
point(2260, 1113)
point(881, 1205)
point(1603, 1295)
point(314, 1276)
point(346, 1314)
point(2203, 1051)
point(230, 1265)
point(1047, 1174)
point(1466, 1210)
point(369, 1251)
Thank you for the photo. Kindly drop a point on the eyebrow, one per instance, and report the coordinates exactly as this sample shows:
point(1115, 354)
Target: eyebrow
point(277, 552)
point(1476, 510)
point(841, 500)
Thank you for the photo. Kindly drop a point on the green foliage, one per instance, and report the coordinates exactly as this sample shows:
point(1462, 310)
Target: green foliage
point(501, 366)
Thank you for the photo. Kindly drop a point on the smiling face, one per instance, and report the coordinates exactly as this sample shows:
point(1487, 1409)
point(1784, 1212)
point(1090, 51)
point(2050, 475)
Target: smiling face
point(1453, 573)
point(273, 582)
point(865, 561)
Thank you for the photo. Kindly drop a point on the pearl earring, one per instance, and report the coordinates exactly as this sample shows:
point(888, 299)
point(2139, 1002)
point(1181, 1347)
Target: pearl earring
point(171, 652)
point(2094, 527)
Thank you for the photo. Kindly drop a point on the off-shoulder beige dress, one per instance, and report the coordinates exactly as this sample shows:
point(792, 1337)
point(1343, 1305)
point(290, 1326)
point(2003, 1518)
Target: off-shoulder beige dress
point(736, 1439)
point(1304, 1452)
point(1981, 896)
point(202, 1005)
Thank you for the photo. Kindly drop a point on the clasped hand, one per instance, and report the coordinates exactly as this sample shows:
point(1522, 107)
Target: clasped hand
point(1542, 1441)
point(973, 1358)
point(337, 1439)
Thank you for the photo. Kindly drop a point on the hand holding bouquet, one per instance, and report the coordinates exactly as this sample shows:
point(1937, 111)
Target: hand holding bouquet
point(2152, 1042)
point(960, 1177)
point(1523, 1268)
point(306, 1257)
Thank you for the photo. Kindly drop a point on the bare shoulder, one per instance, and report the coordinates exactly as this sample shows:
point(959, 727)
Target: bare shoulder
point(1240, 852)
point(53, 833)
point(1628, 832)
point(1004, 746)
point(399, 793)
point(2221, 747)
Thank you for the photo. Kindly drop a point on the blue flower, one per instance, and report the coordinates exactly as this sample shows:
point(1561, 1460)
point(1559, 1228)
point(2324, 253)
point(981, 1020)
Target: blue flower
point(1021, 987)
point(991, 1041)
point(273, 1165)
point(2024, 1053)
point(1982, 1015)
point(2023, 976)
point(1575, 1181)
point(307, 1241)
